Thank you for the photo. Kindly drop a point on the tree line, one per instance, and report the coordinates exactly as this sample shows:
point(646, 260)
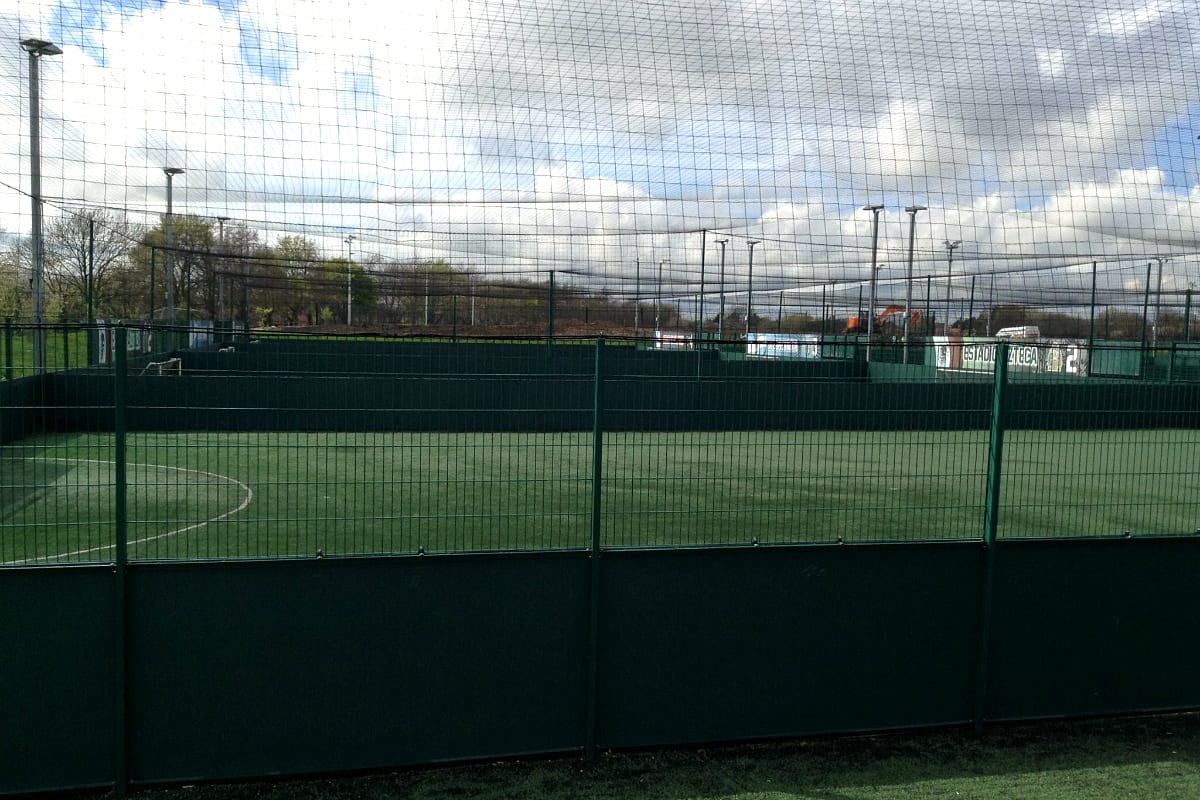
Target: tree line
point(223, 270)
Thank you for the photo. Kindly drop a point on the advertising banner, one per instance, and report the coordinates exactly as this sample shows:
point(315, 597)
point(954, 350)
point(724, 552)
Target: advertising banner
point(1045, 356)
point(783, 345)
point(664, 340)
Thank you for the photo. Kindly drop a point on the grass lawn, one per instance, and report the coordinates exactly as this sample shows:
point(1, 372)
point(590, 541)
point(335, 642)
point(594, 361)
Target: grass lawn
point(1134, 758)
point(65, 349)
point(274, 494)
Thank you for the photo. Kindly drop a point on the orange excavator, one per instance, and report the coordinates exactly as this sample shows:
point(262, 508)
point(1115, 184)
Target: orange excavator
point(855, 324)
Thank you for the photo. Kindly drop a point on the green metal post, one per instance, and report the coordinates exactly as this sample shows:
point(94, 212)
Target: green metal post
point(823, 312)
point(990, 523)
point(246, 297)
point(8, 349)
point(1187, 317)
point(66, 337)
point(1146, 308)
point(929, 327)
point(188, 298)
point(91, 293)
point(454, 317)
point(700, 299)
point(1171, 362)
point(550, 309)
point(594, 553)
point(120, 734)
point(779, 315)
point(1092, 313)
point(153, 259)
point(971, 310)
point(550, 325)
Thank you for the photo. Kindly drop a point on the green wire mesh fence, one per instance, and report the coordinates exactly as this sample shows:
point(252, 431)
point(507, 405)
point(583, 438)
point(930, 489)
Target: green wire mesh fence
point(285, 446)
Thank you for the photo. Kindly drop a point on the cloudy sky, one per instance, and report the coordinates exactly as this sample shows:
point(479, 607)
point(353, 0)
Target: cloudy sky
point(587, 135)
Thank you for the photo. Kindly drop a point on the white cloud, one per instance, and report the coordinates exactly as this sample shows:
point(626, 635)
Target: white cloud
point(582, 136)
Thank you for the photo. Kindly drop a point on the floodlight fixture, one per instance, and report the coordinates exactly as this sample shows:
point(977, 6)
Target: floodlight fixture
point(170, 172)
point(912, 235)
point(874, 209)
point(36, 49)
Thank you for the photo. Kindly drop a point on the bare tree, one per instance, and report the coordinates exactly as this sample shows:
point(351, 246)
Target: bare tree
point(97, 238)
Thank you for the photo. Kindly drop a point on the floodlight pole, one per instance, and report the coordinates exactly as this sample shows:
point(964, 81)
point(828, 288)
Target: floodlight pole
point(658, 298)
point(874, 209)
point(1157, 301)
point(750, 287)
point(950, 248)
point(36, 48)
point(721, 317)
point(700, 297)
point(350, 285)
point(170, 172)
point(637, 297)
point(221, 277)
point(912, 237)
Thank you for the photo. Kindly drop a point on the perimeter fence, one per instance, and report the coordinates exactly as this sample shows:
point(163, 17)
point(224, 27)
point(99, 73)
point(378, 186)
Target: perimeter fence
point(282, 555)
point(286, 446)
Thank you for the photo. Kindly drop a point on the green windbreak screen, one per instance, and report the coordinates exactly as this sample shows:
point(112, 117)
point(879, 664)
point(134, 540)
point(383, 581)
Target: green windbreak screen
point(295, 447)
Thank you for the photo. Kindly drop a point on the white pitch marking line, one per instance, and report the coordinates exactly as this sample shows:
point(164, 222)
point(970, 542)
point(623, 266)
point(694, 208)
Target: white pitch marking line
point(249, 497)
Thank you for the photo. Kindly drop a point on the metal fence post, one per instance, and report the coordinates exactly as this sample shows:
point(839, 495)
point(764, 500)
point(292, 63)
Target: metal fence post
point(66, 336)
point(1187, 316)
point(594, 552)
point(120, 734)
point(990, 523)
point(8, 349)
point(550, 309)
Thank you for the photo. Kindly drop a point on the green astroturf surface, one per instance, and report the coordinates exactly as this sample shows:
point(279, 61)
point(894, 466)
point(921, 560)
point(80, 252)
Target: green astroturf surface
point(216, 495)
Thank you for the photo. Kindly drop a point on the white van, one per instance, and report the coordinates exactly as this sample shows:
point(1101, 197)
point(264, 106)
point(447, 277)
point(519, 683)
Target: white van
point(1019, 332)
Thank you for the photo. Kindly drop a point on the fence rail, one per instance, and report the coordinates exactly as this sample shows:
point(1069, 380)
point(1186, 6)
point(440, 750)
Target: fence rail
point(293, 447)
point(881, 549)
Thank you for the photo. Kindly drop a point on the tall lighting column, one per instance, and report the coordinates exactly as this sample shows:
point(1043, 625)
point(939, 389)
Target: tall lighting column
point(36, 48)
point(350, 283)
point(750, 287)
point(170, 172)
point(658, 297)
point(221, 278)
point(721, 318)
point(912, 237)
point(874, 209)
point(950, 248)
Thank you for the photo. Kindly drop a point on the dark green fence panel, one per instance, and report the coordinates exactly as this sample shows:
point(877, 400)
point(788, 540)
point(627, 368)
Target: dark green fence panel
point(256, 668)
point(1102, 406)
point(713, 645)
point(21, 402)
point(494, 358)
point(1095, 627)
point(1116, 359)
point(56, 679)
point(81, 402)
point(794, 405)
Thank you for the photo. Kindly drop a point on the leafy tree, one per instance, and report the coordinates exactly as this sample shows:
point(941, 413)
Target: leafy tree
point(365, 290)
point(16, 296)
point(194, 261)
point(302, 281)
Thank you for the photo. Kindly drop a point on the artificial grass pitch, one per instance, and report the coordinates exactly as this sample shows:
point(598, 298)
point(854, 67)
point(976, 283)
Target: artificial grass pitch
point(273, 494)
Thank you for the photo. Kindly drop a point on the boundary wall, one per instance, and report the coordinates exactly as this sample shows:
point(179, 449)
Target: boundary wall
point(136, 673)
